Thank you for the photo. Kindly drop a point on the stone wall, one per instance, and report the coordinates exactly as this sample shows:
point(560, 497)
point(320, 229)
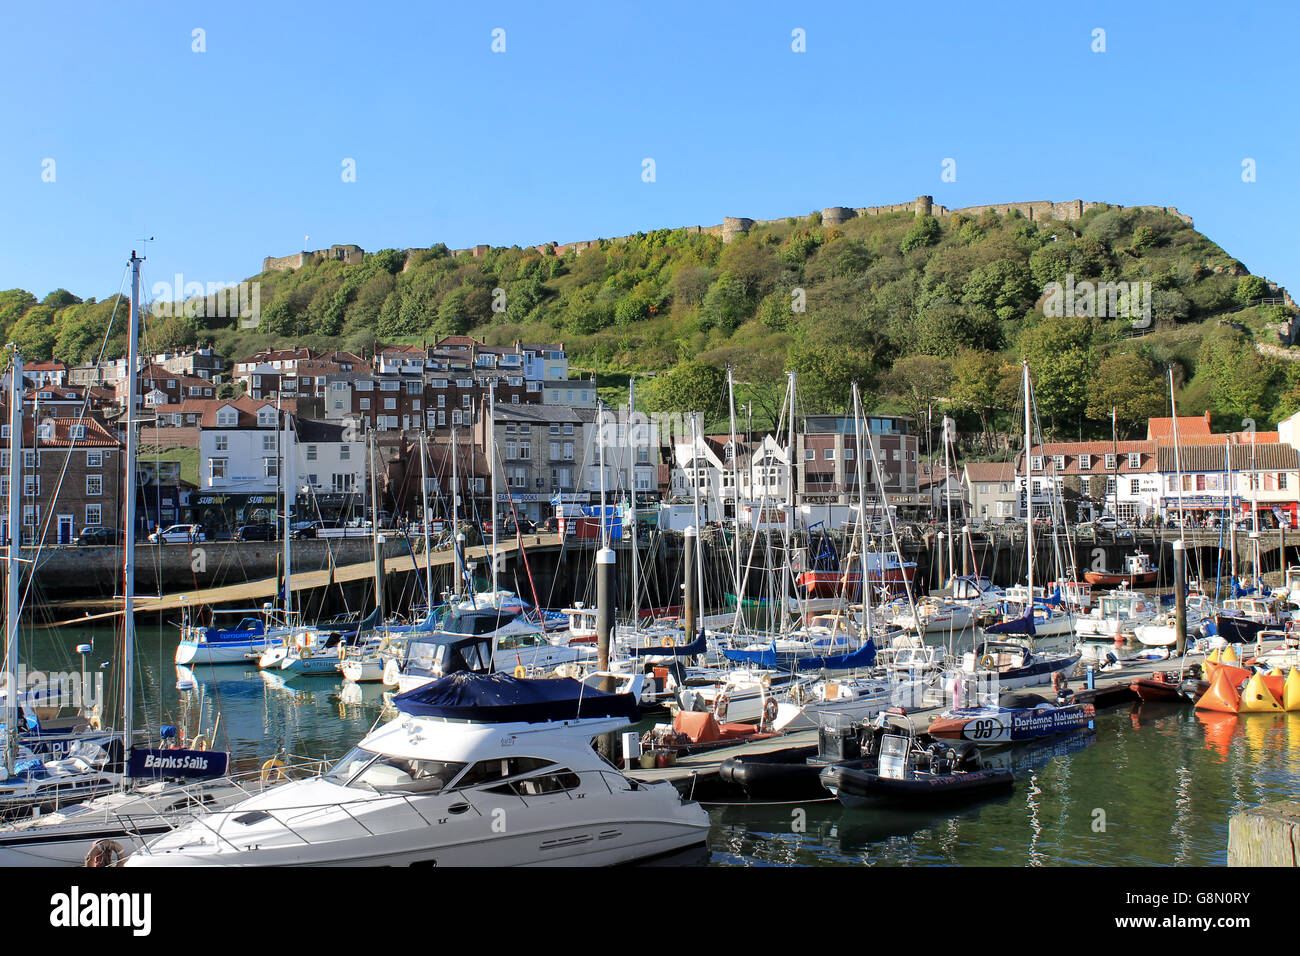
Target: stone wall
point(732, 227)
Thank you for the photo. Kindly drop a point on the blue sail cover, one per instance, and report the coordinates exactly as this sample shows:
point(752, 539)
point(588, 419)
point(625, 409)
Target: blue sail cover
point(1019, 625)
point(764, 658)
point(698, 646)
point(500, 698)
point(864, 656)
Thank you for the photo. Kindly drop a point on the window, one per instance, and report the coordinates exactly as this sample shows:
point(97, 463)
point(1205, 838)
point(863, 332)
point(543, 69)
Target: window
point(94, 459)
point(94, 486)
point(1110, 462)
point(221, 443)
point(365, 404)
point(32, 485)
point(555, 450)
point(311, 452)
point(1134, 487)
point(31, 459)
point(1135, 460)
point(272, 466)
point(94, 514)
point(78, 432)
point(1058, 462)
point(268, 443)
point(1036, 462)
point(568, 429)
point(1281, 482)
point(465, 401)
point(345, 452)
point(217, 468)
point(525, 450)
point(568, 451)
point(809, 454)
point(1085, 462)
point(367, 770)
point(828, 454)
point(848, 454)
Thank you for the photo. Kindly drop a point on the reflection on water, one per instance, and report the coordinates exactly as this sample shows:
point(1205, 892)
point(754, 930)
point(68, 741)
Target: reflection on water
point(1155, 787)
point(1155, 784)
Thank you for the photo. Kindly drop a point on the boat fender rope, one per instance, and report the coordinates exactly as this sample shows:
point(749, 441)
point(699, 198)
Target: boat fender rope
point(105, 853)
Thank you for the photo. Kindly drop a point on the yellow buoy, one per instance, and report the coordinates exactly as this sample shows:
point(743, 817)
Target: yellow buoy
point(1229, 656)
point(1213, 656)
point(1291, 691)
point(1257, 698)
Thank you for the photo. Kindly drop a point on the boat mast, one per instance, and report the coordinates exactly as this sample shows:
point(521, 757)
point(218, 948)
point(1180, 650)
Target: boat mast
point(865, 584)
point(289, 496)
point(492, 469)
point(787, 573)
point(424, 518)
point(948, 426)
point(1029, 487)
point(455, 515)
point(735, 477)
point(699, 529)
point(631, 480)
point(128, 501)
point(15, 551)
point(1178, 466)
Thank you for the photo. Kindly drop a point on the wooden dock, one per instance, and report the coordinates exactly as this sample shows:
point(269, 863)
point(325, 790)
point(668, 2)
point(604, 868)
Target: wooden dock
point(1109, 689)
point(248, 592)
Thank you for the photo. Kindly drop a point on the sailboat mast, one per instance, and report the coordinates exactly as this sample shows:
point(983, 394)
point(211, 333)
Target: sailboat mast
point(128, 502)
point(424, 519)
point(699, 528)
point(862, 515)
point(947, 497)
point(735, 475)
point(288, 479)
point(456, 556)
point(1178, 465)
point(492, 469)
point(1029, 486)
point(789, 510)
point(12, 577)
point(631, 480)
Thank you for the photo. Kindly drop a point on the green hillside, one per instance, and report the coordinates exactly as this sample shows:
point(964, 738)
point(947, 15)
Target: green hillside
point(920, 311)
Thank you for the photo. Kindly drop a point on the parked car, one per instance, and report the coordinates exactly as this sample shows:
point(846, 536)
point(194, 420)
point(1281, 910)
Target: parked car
point(1107, 523)
point(509, 529)
point(99, 535)
point(178, 534)
point(258, 531)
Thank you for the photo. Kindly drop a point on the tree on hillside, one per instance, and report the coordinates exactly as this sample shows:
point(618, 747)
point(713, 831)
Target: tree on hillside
point(1061, 367)
point(976, 376)
point(826, 373)
point(1242, 382)
point(1132, 386)
point(919, 382)
point(690, 387)
point(925, 232)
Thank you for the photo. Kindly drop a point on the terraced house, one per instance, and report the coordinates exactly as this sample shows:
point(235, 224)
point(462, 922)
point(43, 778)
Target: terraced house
point(71, 475)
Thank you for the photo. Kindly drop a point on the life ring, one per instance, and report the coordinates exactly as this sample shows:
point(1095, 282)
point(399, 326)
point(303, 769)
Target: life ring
point(720, 707)
point(273, 769)
point(668, 642)
point(105, 853)
point(521, 672)
point(200, 743)
point(769, 711)
point(988, 663)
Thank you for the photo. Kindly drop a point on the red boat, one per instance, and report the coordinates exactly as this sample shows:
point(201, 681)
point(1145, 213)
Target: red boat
point(835, 583)
point(1138, 572)
point(1160, 686)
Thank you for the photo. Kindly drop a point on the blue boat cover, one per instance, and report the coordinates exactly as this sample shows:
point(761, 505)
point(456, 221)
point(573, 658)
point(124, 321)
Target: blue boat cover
point(864, 656)
point(500, 698)
point(1019, 625)
point(763, 658)
point(698, 646)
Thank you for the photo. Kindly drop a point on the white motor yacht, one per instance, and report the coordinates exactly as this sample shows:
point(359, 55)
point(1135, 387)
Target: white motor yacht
point(478, 770)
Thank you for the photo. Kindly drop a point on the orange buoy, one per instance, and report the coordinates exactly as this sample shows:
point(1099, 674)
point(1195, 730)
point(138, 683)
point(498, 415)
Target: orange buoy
point(1223, 695)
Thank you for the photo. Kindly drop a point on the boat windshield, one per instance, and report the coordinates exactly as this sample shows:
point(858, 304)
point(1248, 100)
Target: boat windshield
point(384, 773)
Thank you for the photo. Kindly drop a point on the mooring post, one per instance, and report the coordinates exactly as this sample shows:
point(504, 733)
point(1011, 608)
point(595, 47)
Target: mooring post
point(1180, 597)
point(965, 550)
point(604, 610)
point(379, 575)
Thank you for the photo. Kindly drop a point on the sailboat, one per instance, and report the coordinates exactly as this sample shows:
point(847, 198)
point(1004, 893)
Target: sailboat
point(110, 780)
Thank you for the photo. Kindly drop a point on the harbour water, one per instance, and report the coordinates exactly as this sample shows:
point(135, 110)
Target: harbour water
point(1154, 786)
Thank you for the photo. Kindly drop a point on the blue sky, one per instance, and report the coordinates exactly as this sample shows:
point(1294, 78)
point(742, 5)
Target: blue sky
point(235, 153)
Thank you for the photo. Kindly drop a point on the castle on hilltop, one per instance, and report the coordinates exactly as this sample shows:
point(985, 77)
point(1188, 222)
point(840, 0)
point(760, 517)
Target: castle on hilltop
point(733, 226)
